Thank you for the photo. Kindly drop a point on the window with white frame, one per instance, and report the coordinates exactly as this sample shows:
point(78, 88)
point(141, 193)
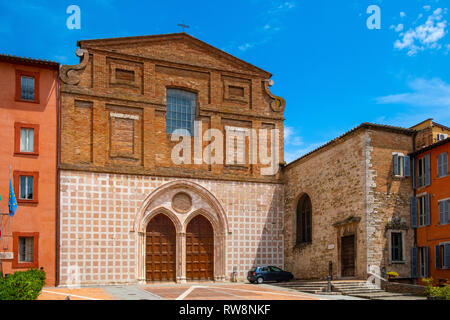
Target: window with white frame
point(26, 249)
point(26, 140)
point(423, 210)
point(442, 165)
point(401, 165)
point(26, 188)
point(444, 211)
point(423, 259)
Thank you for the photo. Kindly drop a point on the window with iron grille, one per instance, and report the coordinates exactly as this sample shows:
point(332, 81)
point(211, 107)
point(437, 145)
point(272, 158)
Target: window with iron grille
point(396, 246)
point(181, 111)
point(27, 88)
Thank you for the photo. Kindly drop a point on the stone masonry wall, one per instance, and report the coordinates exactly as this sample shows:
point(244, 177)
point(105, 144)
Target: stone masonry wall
point(390, 197)
point(334, 180)
point(350, 180)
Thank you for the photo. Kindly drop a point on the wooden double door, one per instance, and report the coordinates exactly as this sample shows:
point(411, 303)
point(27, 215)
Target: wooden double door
point(160, 250)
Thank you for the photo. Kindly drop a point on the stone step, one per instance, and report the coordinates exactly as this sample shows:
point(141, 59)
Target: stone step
point(353, 292)
point(377, 295)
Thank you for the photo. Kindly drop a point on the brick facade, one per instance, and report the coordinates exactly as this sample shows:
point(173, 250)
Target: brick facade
point(116, 167)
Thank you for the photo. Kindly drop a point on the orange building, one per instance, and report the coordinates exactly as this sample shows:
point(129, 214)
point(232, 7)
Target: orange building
point(29, 125)
point(430, 212)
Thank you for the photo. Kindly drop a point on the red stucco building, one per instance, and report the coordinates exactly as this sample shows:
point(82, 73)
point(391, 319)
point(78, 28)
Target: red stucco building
point(28, 135)
point(431, 212)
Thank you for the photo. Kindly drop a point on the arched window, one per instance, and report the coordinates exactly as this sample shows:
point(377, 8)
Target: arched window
point(181, 110)
point(304, 220)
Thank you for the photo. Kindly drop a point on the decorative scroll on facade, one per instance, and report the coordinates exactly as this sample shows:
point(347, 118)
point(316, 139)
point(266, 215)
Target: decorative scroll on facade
point(278, 103)
point(69, 74)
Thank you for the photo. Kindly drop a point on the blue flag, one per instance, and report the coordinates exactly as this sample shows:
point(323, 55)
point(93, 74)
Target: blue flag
point(12, 200)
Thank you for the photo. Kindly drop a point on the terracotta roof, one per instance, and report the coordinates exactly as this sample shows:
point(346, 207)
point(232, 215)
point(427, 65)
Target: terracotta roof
point(173, 36)
point(365, 125)
point(30, 61)
point(440, 125)
point(431, 146)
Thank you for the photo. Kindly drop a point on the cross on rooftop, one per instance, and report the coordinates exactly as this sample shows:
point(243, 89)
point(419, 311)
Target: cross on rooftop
point(183, 26)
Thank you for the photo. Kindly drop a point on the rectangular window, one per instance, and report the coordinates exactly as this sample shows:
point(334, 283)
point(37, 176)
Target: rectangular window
point(423, 256)
point(401, 165)
point(26, 139)
point(442, 165)
point(396, 246)
point(421, 210)
point(421, 173)
point(25, 186)
point(444, 212)
point(26, 249)
point(27, 88)
point(446, 256)
point(25, 246)
point(181, 111)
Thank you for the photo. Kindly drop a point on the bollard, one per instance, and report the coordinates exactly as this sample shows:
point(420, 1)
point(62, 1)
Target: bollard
point(329, 284)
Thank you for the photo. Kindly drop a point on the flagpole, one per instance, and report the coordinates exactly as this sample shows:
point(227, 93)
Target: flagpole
point(9, 216)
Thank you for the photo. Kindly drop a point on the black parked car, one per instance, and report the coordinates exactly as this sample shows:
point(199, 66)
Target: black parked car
point(268, 273)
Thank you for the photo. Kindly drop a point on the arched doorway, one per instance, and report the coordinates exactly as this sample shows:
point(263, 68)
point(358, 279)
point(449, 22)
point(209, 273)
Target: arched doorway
point(160, 249)
point(199, 249)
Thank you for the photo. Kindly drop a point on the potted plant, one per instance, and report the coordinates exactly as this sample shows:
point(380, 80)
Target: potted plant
point(436, 293)
point(392, 275)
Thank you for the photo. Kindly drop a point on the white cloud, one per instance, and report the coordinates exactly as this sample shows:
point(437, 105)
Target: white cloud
point(427, 8)
point(424, 36)
point(402, 14)
point(273, 16)
point(291, 137)
point(425, 93)
point(245, 46)
point(398, 28)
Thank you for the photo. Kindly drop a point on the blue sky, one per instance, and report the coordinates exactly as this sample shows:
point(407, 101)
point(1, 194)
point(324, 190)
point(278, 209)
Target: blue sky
point(332, 70)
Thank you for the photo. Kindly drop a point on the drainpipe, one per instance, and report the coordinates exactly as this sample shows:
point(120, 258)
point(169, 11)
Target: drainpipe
point(413, 159)
point(58, 144)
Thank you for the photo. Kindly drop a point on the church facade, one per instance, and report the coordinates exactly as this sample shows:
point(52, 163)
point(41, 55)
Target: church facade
point(131, 212)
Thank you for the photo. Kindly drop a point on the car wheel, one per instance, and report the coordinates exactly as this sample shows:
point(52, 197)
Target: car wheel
point(260, 280)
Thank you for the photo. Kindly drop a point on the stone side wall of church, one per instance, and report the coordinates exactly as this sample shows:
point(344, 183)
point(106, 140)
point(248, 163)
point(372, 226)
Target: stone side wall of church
point(352, 178)
point(98, 211)
point(334, 180)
